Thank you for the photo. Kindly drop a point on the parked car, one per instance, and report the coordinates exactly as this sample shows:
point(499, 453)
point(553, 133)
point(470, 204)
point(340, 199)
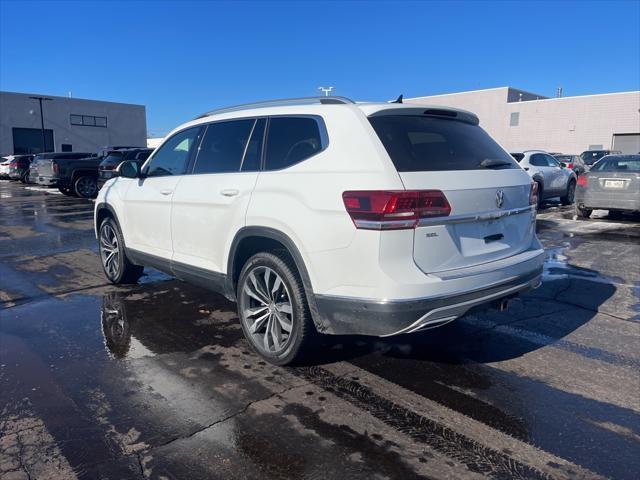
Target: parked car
point(613, 184)
point(107, 168)
point(329, 216)
point(72, 172)
point(4, 167)
point(573, 162)
point(19, 167)
point(32, 175)
point(553, 180)
point(589, 157)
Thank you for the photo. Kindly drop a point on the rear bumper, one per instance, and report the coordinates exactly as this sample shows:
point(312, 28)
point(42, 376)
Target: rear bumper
point(48, 181)
point(605, 201)
point(347, 316)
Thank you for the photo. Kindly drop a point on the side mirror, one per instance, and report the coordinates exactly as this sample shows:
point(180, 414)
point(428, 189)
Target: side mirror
point(128, 169)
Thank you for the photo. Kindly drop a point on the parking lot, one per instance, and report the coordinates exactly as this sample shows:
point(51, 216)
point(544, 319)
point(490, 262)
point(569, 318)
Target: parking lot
point(156, 380)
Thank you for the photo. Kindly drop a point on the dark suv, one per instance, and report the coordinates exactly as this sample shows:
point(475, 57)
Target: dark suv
point(589, 157)
point(107, 168)
point(19, 167)
point(572, 162)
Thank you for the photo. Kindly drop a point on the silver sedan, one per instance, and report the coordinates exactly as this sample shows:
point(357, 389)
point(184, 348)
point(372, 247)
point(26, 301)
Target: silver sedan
point(613, 184)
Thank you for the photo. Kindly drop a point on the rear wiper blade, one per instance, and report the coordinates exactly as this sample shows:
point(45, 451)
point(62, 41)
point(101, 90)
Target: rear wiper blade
point(492, 162)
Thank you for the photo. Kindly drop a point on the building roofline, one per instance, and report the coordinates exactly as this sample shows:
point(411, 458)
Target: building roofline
point(459, 93)
point(545, 99)
point(70, 98)
point(578, 96)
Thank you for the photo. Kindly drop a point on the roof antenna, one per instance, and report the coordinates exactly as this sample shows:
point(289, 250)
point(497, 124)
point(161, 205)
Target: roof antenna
point(399, 99)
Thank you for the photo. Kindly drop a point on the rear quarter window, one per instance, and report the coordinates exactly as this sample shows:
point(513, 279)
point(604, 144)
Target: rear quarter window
point(421, 143)
point(291, 140)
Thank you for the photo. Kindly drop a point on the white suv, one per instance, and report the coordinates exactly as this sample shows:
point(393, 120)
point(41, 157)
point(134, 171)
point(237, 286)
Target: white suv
point(323, 215)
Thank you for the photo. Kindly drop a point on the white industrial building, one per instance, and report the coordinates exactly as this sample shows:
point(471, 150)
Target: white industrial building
point(522, 120)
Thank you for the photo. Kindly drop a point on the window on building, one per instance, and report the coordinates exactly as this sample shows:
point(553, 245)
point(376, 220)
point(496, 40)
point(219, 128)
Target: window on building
point(88, 120)
point(514, 120)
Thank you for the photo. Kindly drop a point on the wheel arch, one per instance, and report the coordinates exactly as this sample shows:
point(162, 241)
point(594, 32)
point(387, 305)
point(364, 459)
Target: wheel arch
point(79, 172)
point(104, 210)
point(251, 240)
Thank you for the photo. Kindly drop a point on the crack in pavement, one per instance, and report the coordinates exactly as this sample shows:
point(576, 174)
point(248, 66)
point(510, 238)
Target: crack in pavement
point(224, 419)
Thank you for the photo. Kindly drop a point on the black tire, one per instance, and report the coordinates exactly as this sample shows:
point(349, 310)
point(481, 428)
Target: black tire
point(85, 186)
point(117, 267)
point(24, 178)
point(67, 191)
point(570, 196)
point(300, 339)
point(583, 212)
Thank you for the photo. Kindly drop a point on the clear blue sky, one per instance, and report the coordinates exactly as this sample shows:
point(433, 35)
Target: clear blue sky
point(182, 58)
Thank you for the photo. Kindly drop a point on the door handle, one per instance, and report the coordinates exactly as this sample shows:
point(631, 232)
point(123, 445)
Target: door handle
point(230, 192)
point(166, 192)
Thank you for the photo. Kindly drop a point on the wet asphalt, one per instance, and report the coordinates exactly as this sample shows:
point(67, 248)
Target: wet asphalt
point(156, 381)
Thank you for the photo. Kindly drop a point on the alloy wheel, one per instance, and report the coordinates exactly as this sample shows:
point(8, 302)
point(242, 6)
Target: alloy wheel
point(87, 187)
point(267, 311)
point(110, 251)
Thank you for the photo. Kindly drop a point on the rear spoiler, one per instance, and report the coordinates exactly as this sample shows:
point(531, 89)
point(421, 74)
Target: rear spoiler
point(439, 112)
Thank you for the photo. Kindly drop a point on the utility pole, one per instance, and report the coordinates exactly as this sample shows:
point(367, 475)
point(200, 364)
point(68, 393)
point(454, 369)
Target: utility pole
point(326, 90)
point(40, 99)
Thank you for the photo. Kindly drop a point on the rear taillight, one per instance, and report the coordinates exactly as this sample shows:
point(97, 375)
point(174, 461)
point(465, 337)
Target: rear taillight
point(582, 181)
point(54, 167)
point(569, 165)
point(533, 194)
point(13, 164)
point(394, 210)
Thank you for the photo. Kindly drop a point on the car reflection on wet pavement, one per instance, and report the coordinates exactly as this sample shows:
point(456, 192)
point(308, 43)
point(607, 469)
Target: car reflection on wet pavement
point(155, 380)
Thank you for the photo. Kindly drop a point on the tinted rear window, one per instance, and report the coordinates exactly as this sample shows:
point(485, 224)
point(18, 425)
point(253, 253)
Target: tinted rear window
point(113, 158)
point(291, 140)
point(592, 156)
point(618, 164)
point(418, 144)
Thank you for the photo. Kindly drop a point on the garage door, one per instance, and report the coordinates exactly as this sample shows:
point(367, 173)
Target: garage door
point(626, 142)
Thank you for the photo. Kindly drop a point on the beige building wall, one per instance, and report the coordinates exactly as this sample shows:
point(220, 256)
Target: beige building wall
point(567, 125)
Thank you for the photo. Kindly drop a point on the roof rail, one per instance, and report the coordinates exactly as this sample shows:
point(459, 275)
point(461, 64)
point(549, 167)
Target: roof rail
point(283, 101)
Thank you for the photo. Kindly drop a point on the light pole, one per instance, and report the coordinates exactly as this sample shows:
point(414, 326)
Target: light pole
point(326, 90)
point(40, 99)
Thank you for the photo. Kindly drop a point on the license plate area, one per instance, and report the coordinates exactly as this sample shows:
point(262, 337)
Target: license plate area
point(614, 184)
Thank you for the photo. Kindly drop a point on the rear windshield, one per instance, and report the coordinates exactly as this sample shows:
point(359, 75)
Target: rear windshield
point(592, 156)
point(518, 156)
point(419, 143)
point(115, 157)
point(613, 164)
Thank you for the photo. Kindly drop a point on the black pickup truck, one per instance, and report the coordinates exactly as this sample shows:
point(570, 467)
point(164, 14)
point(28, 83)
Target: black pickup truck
point(73, 173)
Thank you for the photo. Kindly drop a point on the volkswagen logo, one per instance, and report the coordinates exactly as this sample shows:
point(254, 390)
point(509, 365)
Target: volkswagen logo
point(499, 198)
